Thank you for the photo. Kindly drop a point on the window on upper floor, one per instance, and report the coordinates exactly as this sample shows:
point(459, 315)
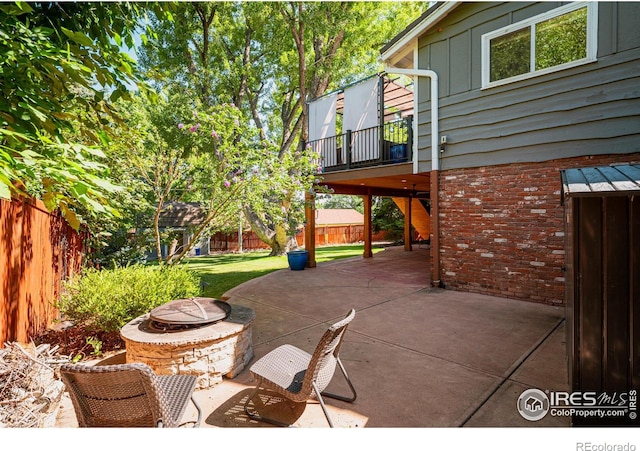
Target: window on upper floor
point(556, 40)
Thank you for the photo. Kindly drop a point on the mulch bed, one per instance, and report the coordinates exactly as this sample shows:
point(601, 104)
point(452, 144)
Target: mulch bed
point(73, 341)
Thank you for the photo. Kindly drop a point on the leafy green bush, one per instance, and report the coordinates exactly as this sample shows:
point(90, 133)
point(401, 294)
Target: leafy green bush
point(387, 217)
point(108, 299)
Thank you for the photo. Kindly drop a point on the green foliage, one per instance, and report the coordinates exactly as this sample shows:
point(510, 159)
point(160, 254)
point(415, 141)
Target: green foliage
point(96, 349)
point(59, 75)
point(119, 247)
point(387, 217)
point(108, 299)
point(280, 182)
point(188, 151)
point(96, 346)
point(562, 39)
point(340, 201)
point(511, 54)
point(269, 58)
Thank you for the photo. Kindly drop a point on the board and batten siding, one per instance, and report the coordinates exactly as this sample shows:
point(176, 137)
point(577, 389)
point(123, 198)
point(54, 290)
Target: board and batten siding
point(586, 110)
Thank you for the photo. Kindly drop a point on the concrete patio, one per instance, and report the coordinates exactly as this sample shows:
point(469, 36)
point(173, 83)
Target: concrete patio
point(419, 357)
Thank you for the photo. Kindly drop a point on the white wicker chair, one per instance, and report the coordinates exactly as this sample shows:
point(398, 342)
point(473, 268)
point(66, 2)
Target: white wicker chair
point(300, 376)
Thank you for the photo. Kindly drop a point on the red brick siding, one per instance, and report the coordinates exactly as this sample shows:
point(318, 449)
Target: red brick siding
point(501, 228)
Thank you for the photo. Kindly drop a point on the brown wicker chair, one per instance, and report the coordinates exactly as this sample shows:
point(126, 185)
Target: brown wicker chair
point(299, 376)
point(128, 395)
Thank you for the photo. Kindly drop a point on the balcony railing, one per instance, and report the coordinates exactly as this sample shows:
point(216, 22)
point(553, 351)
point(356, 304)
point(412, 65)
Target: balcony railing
point(375, 146)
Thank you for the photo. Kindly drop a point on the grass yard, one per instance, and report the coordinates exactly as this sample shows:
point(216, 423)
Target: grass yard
point(226, 271)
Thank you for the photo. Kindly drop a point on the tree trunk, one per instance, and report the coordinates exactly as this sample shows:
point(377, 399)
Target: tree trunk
point(156, 229)
point(281, 248)
point(172, 250)
point(278, 240)
point(283, 242)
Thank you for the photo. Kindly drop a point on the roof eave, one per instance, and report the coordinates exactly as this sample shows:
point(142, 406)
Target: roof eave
point(407, 37)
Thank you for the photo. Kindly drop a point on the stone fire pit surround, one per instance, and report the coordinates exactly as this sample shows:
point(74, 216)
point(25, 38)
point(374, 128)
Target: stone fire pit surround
point(208, 352)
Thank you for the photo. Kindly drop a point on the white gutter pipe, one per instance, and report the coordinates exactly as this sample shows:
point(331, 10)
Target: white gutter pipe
point(435, 163)
point(435, 153)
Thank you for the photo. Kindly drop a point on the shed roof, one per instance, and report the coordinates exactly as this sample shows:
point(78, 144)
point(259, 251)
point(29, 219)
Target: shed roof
point(181, 214)
point(622, 179)
point(338, 216)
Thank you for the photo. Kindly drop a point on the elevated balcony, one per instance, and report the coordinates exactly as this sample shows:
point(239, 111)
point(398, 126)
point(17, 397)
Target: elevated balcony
point(364, 125)
point(364, 137)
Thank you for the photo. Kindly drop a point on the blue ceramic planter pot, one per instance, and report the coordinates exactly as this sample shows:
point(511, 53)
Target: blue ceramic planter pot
point(297, 259)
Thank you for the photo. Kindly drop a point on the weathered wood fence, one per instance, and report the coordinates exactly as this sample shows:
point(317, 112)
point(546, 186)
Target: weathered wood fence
point(326, 235)
point(38, 250)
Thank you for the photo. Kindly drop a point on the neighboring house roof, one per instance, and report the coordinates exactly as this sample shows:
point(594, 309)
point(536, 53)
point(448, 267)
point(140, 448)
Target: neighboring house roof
point(181, 214)
point(603, 180)
point(338, 216)
point(416, 28)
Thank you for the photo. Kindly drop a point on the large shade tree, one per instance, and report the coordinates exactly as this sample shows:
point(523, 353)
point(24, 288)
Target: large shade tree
point(61, 71)
point(269, 59)
point(183, 150)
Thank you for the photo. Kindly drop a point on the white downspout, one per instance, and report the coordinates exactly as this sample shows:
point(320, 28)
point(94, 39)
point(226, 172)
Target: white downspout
point(435, 161)
point(435, 152)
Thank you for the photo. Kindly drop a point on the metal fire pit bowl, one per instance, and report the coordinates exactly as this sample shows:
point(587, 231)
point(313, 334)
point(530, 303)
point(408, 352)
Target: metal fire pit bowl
point(190, 312)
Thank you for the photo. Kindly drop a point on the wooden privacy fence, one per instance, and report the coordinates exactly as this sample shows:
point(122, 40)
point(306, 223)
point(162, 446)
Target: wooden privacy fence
point(38, 250)
point(228, 242)
point(336, 234)
point(326, 235)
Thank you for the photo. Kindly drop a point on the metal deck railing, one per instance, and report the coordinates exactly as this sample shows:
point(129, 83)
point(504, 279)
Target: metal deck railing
point(375, 146)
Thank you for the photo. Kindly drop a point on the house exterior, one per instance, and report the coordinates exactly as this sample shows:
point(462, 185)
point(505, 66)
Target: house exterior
point(506, 95)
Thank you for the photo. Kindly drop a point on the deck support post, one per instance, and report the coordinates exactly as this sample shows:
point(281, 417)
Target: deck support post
point(310, 229)
point(407, 224)
point(368, 234)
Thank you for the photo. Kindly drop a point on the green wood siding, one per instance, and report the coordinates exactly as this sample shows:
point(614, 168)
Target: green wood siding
point(587, 110)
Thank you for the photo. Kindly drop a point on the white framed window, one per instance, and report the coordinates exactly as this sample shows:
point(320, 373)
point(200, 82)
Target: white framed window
point(556, 40)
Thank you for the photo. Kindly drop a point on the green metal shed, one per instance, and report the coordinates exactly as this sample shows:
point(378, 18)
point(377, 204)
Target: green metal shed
point(602, 230)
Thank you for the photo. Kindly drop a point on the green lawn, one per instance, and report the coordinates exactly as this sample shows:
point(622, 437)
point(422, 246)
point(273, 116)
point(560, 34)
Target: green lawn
point(225, 271)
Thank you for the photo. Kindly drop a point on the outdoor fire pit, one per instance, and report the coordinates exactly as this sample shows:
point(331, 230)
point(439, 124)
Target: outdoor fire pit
point(206, 337)
point(191, 313)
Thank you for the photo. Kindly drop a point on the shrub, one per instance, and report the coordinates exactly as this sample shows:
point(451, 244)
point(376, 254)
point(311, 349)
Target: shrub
point(108, 299)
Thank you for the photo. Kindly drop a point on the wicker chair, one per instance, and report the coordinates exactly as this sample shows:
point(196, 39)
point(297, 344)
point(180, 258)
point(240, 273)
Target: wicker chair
point(299, 376)
point(128, 395)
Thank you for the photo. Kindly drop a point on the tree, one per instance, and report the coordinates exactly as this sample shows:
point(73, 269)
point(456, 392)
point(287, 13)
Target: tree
point(270, 58)
point(61, 71)
point(191, 152)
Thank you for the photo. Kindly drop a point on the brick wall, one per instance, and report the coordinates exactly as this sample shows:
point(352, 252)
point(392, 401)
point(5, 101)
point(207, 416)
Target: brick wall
point(502, 230)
